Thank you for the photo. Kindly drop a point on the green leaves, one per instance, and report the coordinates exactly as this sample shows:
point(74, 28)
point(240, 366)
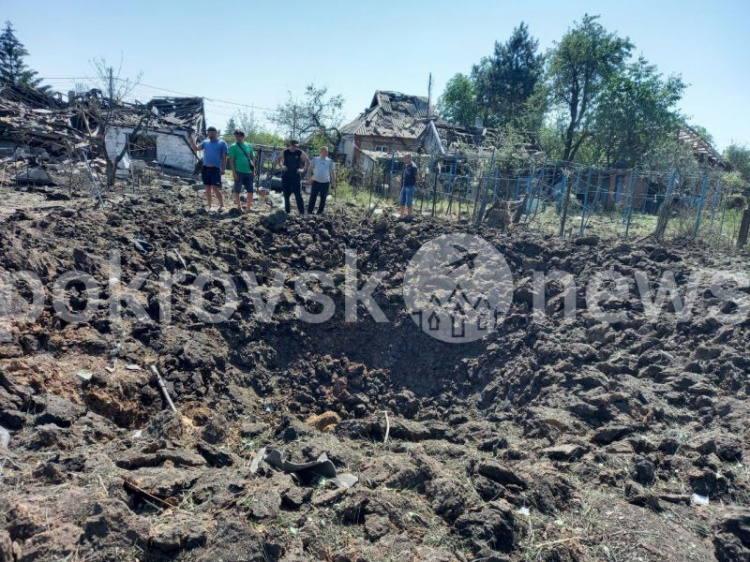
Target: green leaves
point(580, 66)
point(458, 103)
point(506, 82)
point(13, 69)
point(635, 112)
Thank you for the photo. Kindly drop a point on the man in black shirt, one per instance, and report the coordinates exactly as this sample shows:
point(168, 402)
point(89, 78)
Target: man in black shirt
point(294, 162)
point(408, 185)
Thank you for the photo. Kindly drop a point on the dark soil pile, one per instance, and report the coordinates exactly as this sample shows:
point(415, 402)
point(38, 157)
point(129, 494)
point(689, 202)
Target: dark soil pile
point(556, 439)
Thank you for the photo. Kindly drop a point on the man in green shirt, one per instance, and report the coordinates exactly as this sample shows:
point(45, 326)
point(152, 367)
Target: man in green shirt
point(241, 157)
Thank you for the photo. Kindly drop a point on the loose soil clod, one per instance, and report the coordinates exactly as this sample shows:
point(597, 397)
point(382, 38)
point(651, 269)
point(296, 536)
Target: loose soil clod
point(601, 431)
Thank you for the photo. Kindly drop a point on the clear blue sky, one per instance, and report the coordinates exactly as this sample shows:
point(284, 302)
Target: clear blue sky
point(254, 53)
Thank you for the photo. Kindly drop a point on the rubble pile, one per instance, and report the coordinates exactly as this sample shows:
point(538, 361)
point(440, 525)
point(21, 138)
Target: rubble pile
point(45, 141)
point(555, 438)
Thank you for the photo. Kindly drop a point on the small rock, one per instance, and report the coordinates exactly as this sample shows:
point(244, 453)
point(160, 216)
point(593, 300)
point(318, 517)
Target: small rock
point(500, 474)
point(376, 527)
point(587, 241)
point(274, 222)
point(295, 497)
point(568, 452)
point(60, 412)
point(610, 434)
point(643, 470)
point(705, 353)
point(215, 456)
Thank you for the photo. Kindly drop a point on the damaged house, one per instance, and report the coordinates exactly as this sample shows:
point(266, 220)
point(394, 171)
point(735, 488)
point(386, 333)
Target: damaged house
point(393, 122)
point(163, 138)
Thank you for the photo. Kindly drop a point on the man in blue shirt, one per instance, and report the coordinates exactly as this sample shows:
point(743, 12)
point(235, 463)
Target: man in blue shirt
point(214, 164)
point(408, 185)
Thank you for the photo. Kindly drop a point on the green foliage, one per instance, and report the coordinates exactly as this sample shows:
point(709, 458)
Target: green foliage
point(739, 157)
point(511, 152)
point(703, 133)
point(13, 69)
point(316, 113)
point(671, 155)
point(737, 201)
point(458, 103)
point(254, 133)
point(506, 81)
point(265, 138)
point(635, 113)
point(581, 65)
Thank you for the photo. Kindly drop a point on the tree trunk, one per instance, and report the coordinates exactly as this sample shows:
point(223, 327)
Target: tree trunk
point(111, 173)
point(744, 229)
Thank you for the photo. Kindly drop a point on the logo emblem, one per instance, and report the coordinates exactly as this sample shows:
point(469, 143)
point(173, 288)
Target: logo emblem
point(457, 288)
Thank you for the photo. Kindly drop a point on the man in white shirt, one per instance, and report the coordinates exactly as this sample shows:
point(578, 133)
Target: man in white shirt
point(323, 177)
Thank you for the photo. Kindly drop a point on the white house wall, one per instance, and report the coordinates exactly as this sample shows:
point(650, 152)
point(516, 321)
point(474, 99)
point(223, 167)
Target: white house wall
point(171, 149)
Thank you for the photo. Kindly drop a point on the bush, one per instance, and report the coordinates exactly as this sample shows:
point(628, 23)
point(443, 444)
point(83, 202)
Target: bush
point(737, 201)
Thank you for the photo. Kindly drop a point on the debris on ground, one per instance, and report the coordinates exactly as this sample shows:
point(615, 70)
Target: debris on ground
point(556, 437)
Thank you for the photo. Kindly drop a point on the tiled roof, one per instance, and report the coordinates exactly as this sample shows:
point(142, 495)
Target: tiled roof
point(391, 114)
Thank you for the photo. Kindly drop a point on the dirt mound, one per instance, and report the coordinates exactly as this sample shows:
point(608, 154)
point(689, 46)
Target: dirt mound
point(558, 437)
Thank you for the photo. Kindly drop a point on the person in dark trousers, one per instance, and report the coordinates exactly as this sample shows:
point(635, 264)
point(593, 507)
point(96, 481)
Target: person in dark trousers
point(408, 185)
point(241, 156)
point(294, 162)
point(214, 164)
point(323, 177)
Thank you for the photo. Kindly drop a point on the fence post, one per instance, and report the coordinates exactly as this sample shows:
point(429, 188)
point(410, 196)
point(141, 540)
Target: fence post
point(715, 203)
point(631, 189)
point(565, 203)
point(585, 200)
point(700, 207)
point(434, 194)
point(663, 214)
point(744, 229)
point(480, 212)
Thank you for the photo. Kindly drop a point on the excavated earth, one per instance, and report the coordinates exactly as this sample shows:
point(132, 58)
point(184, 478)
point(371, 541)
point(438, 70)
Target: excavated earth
point(555, 438)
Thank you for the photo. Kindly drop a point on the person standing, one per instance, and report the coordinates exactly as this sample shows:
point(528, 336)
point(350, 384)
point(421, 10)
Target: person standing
point(409, 181)
point(214, 164)
point(294, 162)
point(241, 156)
point(322, 178)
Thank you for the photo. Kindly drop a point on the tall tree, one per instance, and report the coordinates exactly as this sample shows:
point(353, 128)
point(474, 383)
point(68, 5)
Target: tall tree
point(316, 114)
point(635, 113)
point(231, 126)
point(580, 66)
point(13, 69)
point(506, 81)
point(458, 103)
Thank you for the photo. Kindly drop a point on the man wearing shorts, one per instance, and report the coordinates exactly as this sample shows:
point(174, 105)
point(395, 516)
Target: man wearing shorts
point(294, 163)
point(214, 164)
point(241, 156)
point(322, 177)
point(408, 185)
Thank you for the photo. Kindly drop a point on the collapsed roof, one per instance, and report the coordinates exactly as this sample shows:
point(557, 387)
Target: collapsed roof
point(448, 140)
point(391, 114)
point(702, 149)
point(37, 119)
point(34, 119)
point(187, 113)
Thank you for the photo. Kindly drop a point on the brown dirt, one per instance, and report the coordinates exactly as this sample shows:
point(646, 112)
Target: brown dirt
point(602, 432)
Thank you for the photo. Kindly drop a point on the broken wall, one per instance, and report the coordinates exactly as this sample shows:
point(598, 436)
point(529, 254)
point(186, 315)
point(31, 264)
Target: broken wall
point(171, 148)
